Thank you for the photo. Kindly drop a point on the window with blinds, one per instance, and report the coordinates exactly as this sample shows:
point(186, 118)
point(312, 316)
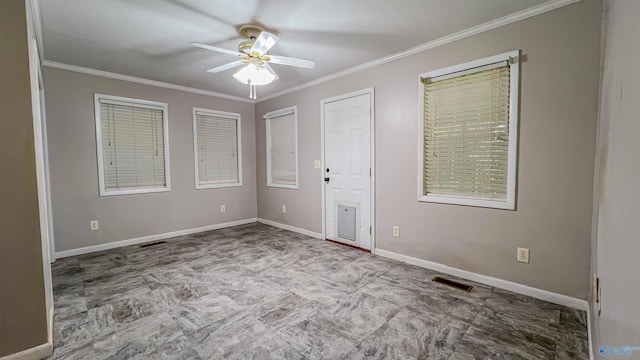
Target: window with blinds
point(132, 141)
point(282, 148)
point(468, 149)
point(217, 149)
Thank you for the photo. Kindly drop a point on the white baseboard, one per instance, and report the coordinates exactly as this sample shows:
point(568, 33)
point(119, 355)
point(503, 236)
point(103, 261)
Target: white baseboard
point(149, 238)
point(313, 234)
point(545, 295)
point(50, 324)
point(589, 328)
point(35, 353)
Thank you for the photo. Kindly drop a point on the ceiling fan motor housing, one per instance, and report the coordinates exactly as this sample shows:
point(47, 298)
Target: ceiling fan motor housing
point(251, 32)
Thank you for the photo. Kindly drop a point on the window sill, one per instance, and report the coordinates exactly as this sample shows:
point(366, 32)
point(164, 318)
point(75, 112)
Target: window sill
point(508, 204)
point(283, 186)
point(216, 186)
point(133, 191)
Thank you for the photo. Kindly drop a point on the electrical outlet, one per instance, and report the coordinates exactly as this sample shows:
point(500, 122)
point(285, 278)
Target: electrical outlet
point(316, 164)
point(93, 225)
point(284, 209)
point(523, 255)
point(396, 231)
point(223, 208)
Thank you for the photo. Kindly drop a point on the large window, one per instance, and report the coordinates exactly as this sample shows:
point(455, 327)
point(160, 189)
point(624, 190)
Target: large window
point(217, 149)
point(282, 148)
point(133, 145)
point(469, 133)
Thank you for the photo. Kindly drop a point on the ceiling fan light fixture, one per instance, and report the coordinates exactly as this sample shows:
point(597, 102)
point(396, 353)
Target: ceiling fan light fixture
point(256, 74)
point(254, 64)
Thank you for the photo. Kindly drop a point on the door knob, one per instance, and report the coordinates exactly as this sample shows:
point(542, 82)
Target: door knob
point(326, 180)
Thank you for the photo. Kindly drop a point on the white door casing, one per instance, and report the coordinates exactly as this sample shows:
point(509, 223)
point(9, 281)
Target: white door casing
point(39, 135)
point(347, 129)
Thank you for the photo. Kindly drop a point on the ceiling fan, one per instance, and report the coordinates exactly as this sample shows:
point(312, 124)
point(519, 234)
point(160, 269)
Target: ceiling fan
point(254, 59)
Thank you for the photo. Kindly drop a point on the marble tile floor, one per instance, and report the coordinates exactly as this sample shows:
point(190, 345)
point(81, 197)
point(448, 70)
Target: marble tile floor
point(259, 292)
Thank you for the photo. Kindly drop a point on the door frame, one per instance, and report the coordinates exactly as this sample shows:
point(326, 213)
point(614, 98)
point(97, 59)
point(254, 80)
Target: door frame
point(41, 164)
point(323, 102)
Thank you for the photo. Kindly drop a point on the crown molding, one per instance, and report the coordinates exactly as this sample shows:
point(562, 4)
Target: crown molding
point(37, 26)
point(490, 25)
point(116, 76)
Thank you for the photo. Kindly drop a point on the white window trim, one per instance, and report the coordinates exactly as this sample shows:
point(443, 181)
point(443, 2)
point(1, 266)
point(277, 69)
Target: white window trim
point(224, 114)
point(119, 100)
point(514, 88)
point(267, 117)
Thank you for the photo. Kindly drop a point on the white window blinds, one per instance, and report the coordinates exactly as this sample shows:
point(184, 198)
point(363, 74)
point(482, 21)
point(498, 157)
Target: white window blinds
point(217, 152)
point(466, 134)
point(131, 145)
point(282, 149)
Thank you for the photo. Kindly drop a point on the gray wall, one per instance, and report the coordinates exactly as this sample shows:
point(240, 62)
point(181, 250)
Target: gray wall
point(74, 169)
point(23, 322)
point(618, 179)
point(559, 100)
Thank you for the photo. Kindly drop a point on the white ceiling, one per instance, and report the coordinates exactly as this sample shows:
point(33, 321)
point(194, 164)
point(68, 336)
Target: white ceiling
point(149, 38)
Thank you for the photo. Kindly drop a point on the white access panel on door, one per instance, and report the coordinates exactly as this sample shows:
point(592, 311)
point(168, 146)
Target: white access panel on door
point(347, 172)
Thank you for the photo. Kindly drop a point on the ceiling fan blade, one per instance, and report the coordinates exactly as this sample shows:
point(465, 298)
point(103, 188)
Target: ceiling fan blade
point(283, 60)
point(264, 42)
point(270, 69)
point(215, 48)
point(228, 66)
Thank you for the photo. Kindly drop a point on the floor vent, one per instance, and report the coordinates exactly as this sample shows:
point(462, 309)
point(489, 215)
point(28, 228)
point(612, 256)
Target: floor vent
point(452, 283)
point(153, 244)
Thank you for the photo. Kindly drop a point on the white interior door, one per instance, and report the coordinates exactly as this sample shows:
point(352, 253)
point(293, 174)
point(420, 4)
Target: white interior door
point(347, 170)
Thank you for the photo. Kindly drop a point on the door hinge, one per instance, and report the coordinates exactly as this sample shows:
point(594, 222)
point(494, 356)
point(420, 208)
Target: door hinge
point(370, 231)
point(370, 173)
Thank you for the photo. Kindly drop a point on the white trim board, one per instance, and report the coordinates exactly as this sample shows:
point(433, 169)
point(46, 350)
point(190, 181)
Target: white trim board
point(138, 80)
point(50, 326)
point(589, 335)
point(149, 238)
point(545, 295)
point(298, 230)
point(490, 25)
point(35, 353)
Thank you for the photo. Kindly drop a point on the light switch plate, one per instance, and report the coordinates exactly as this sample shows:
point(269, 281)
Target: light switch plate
point(223, 208)
point(316, 164)
point(284, 209)
point(523, 255)
point(93, 225)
